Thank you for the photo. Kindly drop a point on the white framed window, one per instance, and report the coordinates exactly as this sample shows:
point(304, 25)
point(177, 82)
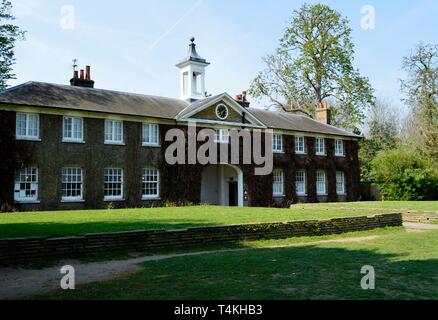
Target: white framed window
point(339, 148)
point(277, 143)
point(300, 183)
point(73, 129)
point(27, 126)
point(26, 185)
point(340, 182)
point(150, 183)
point(278, 183)
point(320, 146)
point(320, 182)
point(72, 185)
point(300, 146)
point(113, 132)
point(150, 134)
point(221, 136)
point(113, 184)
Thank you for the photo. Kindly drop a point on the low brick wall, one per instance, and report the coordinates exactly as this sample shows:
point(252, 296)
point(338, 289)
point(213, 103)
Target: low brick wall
point(420, 217)
point(23, 250)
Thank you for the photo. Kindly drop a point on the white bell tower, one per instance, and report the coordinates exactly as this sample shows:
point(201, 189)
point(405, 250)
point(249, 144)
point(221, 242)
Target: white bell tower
point(192, 75)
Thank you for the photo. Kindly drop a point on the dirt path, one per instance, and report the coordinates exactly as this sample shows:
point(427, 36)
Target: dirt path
point(18, 282)
point(420, 226)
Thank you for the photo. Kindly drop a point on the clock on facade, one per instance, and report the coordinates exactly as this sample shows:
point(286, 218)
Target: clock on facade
point(221, 111)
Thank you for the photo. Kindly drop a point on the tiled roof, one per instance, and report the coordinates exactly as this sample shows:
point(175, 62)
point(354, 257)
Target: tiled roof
point(42, 94)
point(91, 99)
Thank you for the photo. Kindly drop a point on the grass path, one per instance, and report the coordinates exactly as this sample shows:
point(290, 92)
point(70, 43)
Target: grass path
point(406, 266)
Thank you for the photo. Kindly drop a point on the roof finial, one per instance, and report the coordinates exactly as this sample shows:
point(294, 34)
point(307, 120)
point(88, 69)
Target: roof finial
point(192, 39)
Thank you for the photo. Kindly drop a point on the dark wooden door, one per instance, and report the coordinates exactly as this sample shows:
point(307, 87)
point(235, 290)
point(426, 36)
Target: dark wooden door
point(232, 193)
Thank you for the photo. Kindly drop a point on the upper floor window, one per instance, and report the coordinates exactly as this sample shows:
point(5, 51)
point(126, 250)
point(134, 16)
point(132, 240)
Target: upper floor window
point(339, 148)
point(151, 183)
point(73, 130)
point(150, 134)
point(300, 146)
point(113, 184)
point(340, 182)
point(277, 143)
point(26, 185)
point(278, 183)
point(27, 126)
point(300, 182)
point(320, 146)
point(72, 184)
point(113, 132)
point(221, 136)
point(320, 182)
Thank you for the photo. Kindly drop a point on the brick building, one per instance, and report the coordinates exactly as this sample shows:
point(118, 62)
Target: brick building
point(81, 147)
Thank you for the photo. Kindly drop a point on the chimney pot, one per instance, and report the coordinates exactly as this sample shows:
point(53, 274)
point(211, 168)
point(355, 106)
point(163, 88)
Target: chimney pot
point(82, 73)
point(87, 73)
point(323, 113)
point(76, 74)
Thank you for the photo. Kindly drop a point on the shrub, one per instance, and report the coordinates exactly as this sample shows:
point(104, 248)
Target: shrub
point(403, 175)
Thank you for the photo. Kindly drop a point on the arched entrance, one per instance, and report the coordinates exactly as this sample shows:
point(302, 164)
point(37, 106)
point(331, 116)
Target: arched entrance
point(222, 184)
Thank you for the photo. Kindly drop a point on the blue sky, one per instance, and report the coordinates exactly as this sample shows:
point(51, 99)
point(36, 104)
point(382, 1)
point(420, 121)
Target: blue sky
point(134, 47)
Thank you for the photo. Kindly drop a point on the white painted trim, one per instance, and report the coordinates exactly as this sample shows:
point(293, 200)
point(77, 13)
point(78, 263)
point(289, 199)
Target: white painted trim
point(222, 123)
point(231, 103)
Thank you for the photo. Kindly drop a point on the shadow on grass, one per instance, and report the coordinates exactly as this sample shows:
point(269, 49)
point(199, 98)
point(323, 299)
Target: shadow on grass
point(306, 272)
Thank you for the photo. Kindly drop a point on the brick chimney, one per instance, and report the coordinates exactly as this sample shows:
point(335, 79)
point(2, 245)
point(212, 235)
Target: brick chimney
point(323, 113)
point(82, 80)
point(241, 99)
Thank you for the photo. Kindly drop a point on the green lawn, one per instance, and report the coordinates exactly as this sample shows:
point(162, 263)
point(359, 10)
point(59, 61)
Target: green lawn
point(61, 223)
point(381, 205)
point(406, 266)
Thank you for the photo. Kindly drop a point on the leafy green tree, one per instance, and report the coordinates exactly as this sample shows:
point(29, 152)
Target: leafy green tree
point(9, 149)
point(402, 174)
point(382, 133)
point(421, 90)
point(314, 62)
point(9, 34)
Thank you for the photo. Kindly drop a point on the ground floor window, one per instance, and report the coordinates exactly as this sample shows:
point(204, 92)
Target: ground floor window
point(26, 185)
point(300, 182)
point(340, 182)
point(278, 183)
point(151, 183)
point(72, 184)
point(320, 182)
point(113, 184)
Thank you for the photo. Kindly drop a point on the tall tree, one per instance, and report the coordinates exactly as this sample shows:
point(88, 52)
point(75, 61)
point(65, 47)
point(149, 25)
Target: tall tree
point(12, 157)
point(421, 90)
point(9, 34)
point(314, 62)
point(381, 133)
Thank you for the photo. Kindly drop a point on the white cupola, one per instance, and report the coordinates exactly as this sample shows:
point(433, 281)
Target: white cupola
point(192, 75)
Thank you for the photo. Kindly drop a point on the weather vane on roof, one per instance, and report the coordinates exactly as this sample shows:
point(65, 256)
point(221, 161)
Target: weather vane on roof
point(75, 64)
